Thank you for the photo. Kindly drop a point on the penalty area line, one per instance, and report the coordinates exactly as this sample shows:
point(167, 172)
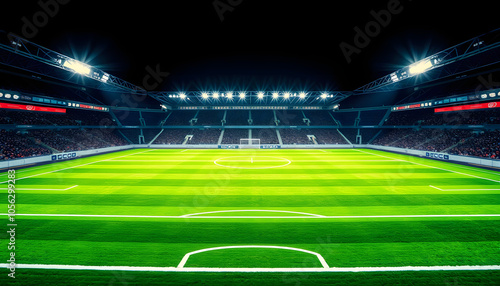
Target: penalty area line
point(255, 217)
point(213, 269)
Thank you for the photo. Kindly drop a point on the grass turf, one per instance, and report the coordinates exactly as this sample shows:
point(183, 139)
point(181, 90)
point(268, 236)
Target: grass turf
point(323, 182)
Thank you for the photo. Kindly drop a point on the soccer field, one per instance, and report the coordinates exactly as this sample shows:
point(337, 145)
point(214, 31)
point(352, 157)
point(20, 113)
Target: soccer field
point(268, 217)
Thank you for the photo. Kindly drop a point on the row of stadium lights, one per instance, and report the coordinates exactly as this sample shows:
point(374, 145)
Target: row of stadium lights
point(243, 95)
point(8, 95)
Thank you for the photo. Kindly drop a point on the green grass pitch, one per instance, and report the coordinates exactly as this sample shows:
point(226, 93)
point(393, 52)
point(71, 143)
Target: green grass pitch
point(275, 208)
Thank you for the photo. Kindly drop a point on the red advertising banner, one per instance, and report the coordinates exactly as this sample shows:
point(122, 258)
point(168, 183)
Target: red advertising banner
point(412, 106)
point(31, 107)
point(493, 104)
point(91, 107)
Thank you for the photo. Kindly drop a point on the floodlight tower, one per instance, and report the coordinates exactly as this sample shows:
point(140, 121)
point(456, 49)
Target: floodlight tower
point(25, 55)
point(472, 54)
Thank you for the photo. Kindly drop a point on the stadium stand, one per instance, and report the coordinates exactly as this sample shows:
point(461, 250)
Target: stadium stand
point(485, 145)
point(320, 117)
point(345, 118)
point(21, 144)
point(459, 140)
point(172, 136)
point(71, 118)
point(153, 118)
point(290, 117)
point(266, 136)
point(180, 117)
point(233, 136)
point(329, 136)
point(237, 117)
point(210, 117)
point(295, 136)
point(15, 145)
point(205, 136)
point(262, 117)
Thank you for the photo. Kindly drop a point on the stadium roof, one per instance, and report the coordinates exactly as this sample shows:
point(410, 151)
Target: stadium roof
point(219, 46)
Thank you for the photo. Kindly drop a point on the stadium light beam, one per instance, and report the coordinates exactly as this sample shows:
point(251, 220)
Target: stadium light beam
point(77, 66)
point(260, 95)
point(204, 95)
point(242, 95)
point(420, 67)
point(302, 95)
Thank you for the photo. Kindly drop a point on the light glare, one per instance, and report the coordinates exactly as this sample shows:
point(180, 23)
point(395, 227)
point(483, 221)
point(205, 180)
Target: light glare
point(420, 67)
point(77, 66)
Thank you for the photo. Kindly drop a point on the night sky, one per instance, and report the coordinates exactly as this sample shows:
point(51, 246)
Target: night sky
point(249, 44)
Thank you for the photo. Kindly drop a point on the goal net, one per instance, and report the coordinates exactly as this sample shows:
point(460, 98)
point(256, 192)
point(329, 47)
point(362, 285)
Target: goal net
point(249, 143)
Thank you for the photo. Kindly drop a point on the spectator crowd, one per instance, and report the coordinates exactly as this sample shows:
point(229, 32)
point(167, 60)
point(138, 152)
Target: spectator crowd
point(21, 143)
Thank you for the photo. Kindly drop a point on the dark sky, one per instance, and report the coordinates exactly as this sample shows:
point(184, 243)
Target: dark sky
point(257, 43)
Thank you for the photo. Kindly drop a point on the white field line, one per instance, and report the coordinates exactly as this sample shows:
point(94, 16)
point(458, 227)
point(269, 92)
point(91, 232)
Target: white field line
point(453, 190)
point(251, 161)
point(183, 150)
point(179, 160)
point(429, 166)
point(26, 169)
point(255, 217)
point(186, 257)
point(34, 189)
point(251, 270)
point(76, 166)
point(477, 170)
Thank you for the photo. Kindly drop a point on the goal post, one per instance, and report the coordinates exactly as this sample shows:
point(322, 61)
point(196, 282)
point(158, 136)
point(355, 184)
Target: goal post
point(249, 143)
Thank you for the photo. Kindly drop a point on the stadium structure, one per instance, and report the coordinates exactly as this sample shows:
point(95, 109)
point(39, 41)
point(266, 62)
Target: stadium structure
point(272, 186)
point(463, 125)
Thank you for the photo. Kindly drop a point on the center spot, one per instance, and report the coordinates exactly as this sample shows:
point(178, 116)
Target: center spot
point(252, 162)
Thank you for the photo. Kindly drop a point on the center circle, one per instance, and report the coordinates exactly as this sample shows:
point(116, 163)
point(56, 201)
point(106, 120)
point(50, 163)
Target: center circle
point(252, 162)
